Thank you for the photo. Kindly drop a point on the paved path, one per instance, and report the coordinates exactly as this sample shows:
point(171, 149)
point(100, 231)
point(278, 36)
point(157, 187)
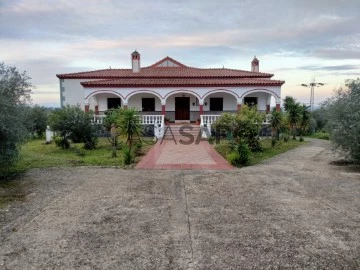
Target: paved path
point(172, 154)
point(294, 211)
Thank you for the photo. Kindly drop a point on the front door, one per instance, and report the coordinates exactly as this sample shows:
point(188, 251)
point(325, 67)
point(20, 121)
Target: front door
point(182, 108)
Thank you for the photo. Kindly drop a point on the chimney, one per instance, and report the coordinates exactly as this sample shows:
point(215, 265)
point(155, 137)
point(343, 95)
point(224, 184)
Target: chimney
point(135, 62)
point(255, 65)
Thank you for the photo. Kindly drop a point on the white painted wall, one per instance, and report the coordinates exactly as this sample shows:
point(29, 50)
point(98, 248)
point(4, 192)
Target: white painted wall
point(229, 101)
point(167, 63)
point(102, 101)
point(73, 93)
point(136, 102)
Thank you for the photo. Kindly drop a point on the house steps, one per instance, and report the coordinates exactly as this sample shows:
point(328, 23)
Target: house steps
point(181, 131)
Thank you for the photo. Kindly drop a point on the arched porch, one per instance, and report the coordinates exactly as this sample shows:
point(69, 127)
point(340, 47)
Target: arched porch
point(262, 99)
point(182, 106)
point(220, 101)
point(145, 102)
point(102, 101)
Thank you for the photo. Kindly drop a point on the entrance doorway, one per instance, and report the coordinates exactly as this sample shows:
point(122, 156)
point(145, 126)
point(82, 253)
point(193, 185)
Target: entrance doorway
point(182, 108)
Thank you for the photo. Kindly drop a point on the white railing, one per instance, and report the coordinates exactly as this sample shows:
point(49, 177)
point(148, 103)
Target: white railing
point(209, 119)
point(206, 122)
point(99, 119)
point(157, 121)
point(152, 119)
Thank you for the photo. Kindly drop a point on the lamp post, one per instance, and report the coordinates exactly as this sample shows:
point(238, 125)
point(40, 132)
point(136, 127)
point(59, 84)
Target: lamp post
point(312, 94)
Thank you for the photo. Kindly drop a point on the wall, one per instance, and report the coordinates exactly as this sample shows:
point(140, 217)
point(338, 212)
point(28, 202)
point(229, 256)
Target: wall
point(136, 102)
point(229, 102)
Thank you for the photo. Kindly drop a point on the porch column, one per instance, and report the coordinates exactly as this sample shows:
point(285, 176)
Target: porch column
point(125, 106)
point(96, 110)
point(278, 106)
point(163, 109)
point(87, 107)
point(239, 107)
point(267, 108)
point(201, 109)
point(268, 102)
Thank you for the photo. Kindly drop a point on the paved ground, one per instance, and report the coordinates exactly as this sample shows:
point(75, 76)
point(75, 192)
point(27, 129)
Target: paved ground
point(173, 154)
point(294, 211)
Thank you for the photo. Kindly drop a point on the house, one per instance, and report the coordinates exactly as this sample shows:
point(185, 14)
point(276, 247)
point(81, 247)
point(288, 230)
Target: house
point(171, 89)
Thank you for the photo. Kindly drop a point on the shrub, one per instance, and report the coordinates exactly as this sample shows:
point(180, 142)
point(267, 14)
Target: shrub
point(273, 142)
point(61, 142)
point(233, 158)
point(244, 153)
point(79, 152)
point(127, 156)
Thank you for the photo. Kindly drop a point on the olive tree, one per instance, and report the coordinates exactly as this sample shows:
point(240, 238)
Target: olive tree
point(36, 119)
point(72, 123)
point(15, 89)
point(343, 116)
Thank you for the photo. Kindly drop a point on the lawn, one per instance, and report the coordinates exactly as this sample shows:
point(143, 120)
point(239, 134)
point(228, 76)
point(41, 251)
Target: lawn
point(320, 135)
point(38, 154)
point(268, 151)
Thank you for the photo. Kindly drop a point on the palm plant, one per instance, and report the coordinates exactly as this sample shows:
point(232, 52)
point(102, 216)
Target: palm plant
point(276, 121)
point(293, 110)
point(129, 124)
point(304, 119)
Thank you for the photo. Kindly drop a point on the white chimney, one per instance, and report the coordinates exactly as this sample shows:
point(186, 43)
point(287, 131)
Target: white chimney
point(135, 62)
point(255, 65)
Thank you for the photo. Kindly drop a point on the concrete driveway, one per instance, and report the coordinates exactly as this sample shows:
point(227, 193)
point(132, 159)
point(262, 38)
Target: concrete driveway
point(294, 211)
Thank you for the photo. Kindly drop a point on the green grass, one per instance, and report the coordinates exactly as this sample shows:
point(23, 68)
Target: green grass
point(320, 135)
point(38, 154)
point(268, 151)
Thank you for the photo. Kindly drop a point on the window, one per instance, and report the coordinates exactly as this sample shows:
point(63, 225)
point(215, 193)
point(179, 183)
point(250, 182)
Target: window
point(113, 103)
point(216, 104)
point(250, 101)
point(148, 104)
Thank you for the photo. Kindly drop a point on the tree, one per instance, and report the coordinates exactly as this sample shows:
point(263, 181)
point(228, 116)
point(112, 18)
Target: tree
point(320, 116)
point(304, 119)
point(36, 119)
point(15, 89)
point(276, 122)
point(293, 113)
point(343, 115)
point(75, 124)
point(129, 124)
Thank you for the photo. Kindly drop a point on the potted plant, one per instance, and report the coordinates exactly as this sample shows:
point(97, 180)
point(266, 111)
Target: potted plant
point(198, 121)
point(167, 120)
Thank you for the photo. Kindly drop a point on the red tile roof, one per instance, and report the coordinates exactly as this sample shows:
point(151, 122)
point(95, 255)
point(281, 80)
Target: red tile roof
point(173, 82)
point(156, 75)
point(164, 72)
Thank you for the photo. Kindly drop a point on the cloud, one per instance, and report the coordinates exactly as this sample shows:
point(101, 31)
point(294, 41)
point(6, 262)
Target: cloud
point(330, 68)
point(49, 37)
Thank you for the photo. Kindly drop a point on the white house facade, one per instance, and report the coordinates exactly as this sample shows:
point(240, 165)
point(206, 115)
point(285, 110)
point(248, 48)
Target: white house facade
point(170, 89)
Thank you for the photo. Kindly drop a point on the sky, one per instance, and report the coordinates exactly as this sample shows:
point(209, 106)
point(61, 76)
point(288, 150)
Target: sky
point(297, 41)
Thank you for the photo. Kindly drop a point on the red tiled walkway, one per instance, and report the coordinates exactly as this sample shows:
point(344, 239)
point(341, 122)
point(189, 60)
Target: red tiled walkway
point(167, 154)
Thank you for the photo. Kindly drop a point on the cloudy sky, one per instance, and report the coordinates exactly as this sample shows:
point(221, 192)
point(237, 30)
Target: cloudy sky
point(295, 40)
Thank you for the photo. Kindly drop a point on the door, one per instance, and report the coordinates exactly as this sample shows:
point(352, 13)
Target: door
point(182, 108)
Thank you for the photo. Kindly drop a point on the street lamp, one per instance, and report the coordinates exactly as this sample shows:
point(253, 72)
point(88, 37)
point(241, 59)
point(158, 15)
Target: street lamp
point(312, 95)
